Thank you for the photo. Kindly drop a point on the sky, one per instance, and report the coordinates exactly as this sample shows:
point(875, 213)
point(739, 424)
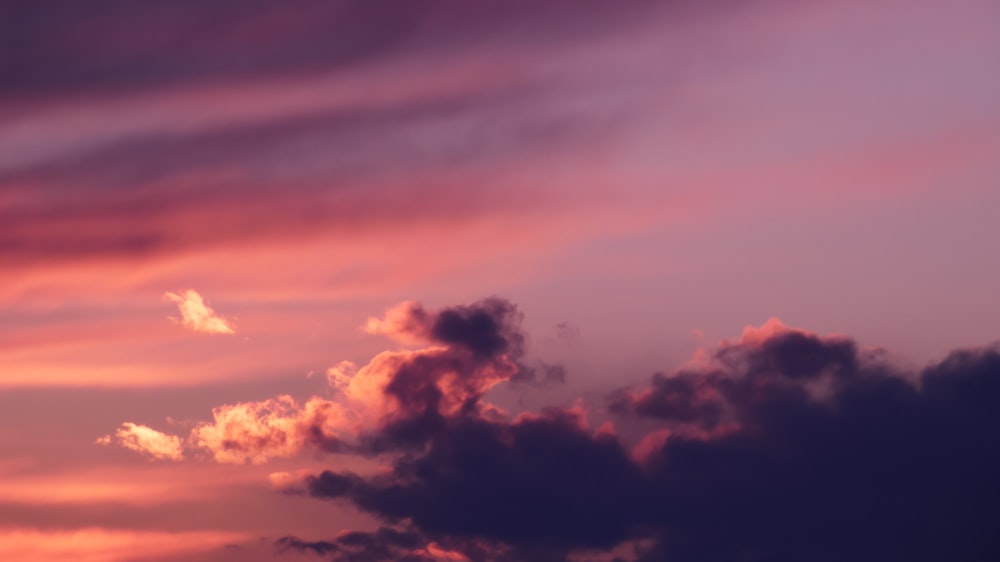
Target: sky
point(499, 281)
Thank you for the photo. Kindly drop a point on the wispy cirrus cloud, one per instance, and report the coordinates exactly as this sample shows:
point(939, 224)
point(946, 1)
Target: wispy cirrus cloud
point(197, 315)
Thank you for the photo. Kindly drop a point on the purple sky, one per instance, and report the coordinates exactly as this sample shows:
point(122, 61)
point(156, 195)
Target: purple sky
point(203, 205)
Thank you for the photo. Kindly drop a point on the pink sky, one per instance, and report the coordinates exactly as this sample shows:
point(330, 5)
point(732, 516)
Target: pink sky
point(204, 204)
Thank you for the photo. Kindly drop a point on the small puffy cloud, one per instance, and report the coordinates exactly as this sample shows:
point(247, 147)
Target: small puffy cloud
point(146, 440)
point(197, 315)
point(256, 432)
point(475, 348)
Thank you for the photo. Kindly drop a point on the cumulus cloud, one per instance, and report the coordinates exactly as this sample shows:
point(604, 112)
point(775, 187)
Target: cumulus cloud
point(256, 432)
point(486, 328)
point(390, 403)
point(407, 322)
point(197, 315)
point(780, 445)
point(147, 441)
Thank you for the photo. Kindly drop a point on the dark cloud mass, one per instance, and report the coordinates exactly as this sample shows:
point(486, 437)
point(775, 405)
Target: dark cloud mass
point(782, 446)
point(115, 45)
point(482, 345)
point(487, 328)
point(539, 482)
point(294, 543)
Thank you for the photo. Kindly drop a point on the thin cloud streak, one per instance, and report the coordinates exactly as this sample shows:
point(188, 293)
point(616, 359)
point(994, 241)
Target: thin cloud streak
point(635, 170)
point(106, 545)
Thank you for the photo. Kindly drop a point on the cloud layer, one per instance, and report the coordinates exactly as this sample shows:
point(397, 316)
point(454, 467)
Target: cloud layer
point(779, 445)
point(782, 445)
point(637, 169)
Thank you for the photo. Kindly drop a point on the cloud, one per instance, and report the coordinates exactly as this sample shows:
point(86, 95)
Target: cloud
point(240, 40)
point(781, 445)
point(147, 441)
point(486, 328)
point(197, 315)
point(287, 543)
point(539, 482)
point(383, 544)
point(407, 323)
point(393, 401)
point(256, 432)
point(181, 159)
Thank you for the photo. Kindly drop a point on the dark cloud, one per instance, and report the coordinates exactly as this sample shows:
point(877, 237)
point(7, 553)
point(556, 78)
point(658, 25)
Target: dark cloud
point(678, 398)
point(288, 543)
point(114, 45)
point(487, 328)
point(482, 345)
point(798, 355)
point(786, 446)
point(540, 482)
point(385, 543)
point(881, 470)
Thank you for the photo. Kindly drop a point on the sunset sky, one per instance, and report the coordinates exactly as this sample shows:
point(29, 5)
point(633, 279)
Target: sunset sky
point(500, 280)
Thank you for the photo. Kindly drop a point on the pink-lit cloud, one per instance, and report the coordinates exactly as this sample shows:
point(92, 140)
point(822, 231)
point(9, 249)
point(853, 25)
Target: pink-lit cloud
point(634, 170)
point(147, 441)
point(197, 315)
point(256, 432)
point(474, 349)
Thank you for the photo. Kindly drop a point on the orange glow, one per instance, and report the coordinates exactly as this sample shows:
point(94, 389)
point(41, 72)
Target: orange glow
point(436, 552)
point(145, 485)
point(106, 545)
